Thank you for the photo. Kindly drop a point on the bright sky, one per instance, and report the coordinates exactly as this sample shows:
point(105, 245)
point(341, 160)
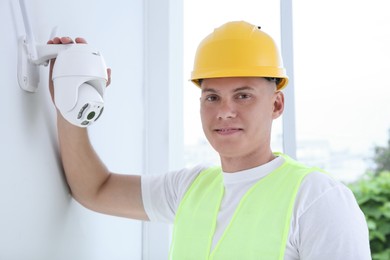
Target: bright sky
point(341, 56)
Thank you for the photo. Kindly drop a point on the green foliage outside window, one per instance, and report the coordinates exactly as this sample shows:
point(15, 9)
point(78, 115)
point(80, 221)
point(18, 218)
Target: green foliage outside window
point(373, 195)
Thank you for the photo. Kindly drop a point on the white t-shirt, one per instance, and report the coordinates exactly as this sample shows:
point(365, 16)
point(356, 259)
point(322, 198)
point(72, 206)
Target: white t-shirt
point(327, 223)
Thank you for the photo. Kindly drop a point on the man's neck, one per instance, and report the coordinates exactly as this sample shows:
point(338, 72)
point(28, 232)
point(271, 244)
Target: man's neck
point(235, 164)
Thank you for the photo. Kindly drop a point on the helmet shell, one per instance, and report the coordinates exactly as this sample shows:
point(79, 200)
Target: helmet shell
point(238, 49)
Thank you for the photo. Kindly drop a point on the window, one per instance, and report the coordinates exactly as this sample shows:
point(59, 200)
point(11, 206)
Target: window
point(341, 54)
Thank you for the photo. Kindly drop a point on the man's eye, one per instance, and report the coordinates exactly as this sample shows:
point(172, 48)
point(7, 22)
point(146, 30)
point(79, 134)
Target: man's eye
point(211, 98)
point(243, 96)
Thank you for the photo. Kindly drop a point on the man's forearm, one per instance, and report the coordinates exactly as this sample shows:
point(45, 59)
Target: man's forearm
point(84, 171)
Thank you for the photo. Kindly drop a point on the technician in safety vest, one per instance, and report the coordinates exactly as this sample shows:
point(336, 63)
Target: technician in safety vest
point(258, 204)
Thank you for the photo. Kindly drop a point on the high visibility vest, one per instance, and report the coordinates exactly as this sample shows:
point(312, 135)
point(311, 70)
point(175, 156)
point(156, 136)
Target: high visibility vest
point(259, 227)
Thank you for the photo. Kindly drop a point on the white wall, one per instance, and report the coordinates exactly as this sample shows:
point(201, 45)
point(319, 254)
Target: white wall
point(39, 219)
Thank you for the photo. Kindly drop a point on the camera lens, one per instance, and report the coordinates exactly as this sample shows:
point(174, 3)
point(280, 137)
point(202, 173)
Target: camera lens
point(91, 115)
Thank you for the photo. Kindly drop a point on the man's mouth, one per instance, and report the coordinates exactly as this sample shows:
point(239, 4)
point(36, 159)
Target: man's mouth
point(228, 131)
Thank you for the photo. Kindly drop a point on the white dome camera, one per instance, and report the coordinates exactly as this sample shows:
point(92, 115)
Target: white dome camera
point(80, 78)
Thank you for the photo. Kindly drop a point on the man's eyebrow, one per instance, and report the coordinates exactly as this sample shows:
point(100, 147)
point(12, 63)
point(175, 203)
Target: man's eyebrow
point(211, 90)
point(243, 88)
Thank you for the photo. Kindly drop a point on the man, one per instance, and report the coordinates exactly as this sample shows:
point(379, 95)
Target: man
point(259, 204)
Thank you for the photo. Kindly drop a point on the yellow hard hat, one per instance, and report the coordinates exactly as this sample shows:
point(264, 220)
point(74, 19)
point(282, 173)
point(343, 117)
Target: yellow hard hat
point(238, 49)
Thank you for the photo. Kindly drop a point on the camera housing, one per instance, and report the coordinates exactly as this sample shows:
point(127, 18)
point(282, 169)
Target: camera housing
point(80, 79)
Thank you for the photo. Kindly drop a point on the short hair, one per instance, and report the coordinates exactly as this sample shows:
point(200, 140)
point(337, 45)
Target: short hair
point(276, 80)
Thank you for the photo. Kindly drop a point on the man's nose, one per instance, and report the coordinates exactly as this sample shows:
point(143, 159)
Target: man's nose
point(226, 110)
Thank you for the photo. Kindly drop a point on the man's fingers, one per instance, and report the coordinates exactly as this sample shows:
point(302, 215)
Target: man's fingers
point(80, 40)
point(56, 40)
point(62, 40)
point(66, 40)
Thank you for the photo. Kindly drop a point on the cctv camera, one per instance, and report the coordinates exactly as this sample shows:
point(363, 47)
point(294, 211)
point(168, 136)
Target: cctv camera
point(79, 78)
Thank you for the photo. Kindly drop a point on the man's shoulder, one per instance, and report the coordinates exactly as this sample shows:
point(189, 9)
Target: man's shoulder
point(320, 181)
point(319, 186)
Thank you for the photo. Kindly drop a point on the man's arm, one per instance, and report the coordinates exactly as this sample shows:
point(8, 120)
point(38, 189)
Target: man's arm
point(334, 227)
point(91, 183)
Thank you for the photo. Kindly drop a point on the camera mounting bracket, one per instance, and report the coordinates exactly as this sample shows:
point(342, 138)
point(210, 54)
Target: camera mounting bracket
point(28, 65)
point(31, 55)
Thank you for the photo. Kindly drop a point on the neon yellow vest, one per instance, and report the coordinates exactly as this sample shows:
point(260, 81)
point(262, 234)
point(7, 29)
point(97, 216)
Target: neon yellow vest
point(259, 227)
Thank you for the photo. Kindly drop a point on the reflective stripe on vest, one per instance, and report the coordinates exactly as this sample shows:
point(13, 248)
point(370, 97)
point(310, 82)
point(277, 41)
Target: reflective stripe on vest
point(259, 227)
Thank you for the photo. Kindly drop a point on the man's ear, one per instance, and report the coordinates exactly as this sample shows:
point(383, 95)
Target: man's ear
point(278, 104)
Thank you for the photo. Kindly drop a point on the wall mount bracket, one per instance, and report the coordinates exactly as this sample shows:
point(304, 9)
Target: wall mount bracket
point(31, 55)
